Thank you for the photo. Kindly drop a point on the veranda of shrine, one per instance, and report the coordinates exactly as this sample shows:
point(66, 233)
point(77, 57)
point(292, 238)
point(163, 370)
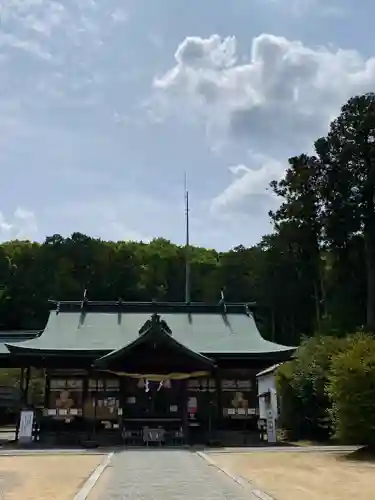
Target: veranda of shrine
point(143, 373)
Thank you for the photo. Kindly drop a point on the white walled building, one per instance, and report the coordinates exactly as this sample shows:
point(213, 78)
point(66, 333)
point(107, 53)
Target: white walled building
point(268, 402)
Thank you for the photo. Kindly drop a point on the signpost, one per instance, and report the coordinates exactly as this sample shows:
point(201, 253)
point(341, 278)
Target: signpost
point(271, 426)
point(25, 432)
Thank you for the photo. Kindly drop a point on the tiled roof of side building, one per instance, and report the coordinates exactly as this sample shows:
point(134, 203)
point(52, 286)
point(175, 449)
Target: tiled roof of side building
point(108, 326)
point(269, 371)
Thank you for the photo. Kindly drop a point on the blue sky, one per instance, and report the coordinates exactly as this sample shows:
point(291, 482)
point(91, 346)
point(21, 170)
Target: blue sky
point(105, 104)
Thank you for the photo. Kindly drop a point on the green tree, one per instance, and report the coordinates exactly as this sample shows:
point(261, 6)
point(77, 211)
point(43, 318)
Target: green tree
point(347, 155)
point(285, 288)
point(305, 409)
point(300, 212)
point(351, 389)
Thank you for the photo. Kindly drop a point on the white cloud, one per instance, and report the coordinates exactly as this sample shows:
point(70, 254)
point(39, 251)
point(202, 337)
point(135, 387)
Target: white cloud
point(248, 190)
point(119, 15)
point(60, 70)
point(71, 36)
point(301, 7)
point(27, 45)
point(5, 227)
point(21, 225)
point(295, 6)
point(111, 217)
point(120, 232)
point(277, 102)
point(284, 89)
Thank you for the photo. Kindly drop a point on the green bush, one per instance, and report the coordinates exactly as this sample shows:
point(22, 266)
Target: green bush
point(290, 405)
point(351, 390)
point(304, 403)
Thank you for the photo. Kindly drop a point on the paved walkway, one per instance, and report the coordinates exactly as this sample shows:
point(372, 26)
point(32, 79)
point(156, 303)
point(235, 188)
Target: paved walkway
point(166, 475)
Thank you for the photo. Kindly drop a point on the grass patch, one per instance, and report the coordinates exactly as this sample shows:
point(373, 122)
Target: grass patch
point(296, 475)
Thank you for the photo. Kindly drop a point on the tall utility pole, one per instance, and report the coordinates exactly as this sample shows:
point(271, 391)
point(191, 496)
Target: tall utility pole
point(187, 245)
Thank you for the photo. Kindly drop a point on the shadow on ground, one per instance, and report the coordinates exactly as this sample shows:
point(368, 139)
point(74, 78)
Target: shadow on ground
point(364, 454)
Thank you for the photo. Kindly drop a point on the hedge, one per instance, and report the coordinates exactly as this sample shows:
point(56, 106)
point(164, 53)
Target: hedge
point(351, 390)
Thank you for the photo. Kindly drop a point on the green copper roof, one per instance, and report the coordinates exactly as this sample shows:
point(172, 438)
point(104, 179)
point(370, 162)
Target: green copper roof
point(105, 326)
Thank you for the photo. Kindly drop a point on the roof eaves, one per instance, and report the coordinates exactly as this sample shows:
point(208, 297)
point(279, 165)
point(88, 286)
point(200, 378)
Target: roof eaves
point(20, 333)
point(36, 351)
point(269, 370)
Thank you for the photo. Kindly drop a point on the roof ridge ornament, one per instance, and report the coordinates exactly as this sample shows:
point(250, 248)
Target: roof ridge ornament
point(156, 321)
point(248, 311)
point(165, 327)
point(85, 299)
point(145, 327)
point(222, 301)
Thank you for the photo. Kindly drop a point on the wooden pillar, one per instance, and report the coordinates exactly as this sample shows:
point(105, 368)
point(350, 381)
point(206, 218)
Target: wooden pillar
point(47, 388)
point(21, 386)
point(185, 417)
point(22, 383)
point(210, 416)
point(122, 401)
point(95, 403)
point(27, 386)
point(24, 386)
point(122, 392)
point(219, 396)
point(85, 402)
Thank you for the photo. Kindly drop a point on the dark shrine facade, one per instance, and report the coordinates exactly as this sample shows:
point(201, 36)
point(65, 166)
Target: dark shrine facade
point(146, 374)
point(111, 408)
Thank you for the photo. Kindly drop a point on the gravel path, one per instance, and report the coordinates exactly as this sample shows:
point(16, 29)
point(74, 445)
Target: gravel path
point(165, 475)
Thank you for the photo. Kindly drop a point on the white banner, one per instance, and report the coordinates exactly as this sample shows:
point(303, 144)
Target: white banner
point(25, 432)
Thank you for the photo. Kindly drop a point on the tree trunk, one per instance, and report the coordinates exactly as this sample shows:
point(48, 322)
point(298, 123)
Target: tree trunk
point(317, 307)
point(273, 326)
point(369, 236)
point(322, 283)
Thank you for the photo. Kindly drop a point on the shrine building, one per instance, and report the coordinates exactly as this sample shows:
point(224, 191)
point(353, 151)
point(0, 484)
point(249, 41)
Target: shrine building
point(145, 373)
